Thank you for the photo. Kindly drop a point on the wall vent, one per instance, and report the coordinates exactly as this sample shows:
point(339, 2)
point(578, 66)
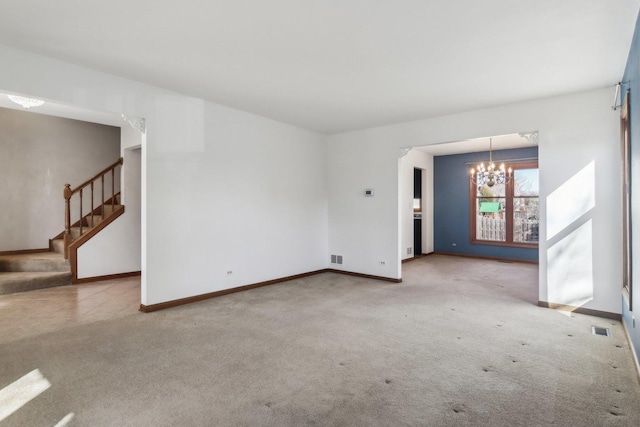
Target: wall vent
point(336, 259)
point(596, 330)
point(409, 251)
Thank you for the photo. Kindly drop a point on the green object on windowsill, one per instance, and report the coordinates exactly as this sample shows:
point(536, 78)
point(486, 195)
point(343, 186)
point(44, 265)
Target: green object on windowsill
point(487, 207)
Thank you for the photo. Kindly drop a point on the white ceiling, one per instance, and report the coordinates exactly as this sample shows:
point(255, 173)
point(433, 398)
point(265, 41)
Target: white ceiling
point(500, 142)
point(338, 65)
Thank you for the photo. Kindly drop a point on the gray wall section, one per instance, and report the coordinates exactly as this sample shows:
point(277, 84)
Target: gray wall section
point(38, 155)
point(632, 76)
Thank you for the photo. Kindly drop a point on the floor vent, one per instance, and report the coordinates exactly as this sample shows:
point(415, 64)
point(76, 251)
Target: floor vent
point(596, 330)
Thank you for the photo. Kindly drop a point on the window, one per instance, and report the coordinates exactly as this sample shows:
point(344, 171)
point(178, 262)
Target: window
point(626, 200)
point(507, 214)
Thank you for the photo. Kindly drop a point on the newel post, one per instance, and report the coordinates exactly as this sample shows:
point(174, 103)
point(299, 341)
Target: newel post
point(67, 219)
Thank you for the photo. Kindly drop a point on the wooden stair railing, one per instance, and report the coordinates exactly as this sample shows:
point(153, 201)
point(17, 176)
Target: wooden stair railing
point(68, 194)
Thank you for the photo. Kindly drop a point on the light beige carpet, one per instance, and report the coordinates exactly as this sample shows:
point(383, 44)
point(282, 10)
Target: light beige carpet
point(460, 342)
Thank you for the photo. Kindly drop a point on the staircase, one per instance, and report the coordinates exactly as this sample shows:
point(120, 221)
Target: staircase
point(88, 226)
point(21, 271)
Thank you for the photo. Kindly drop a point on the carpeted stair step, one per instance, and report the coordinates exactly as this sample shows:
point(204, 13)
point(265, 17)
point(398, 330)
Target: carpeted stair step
point(58, 246)
point(75, 232)
point(109, 209)
point(12, 282)
point(36, 262)
point(93, 220)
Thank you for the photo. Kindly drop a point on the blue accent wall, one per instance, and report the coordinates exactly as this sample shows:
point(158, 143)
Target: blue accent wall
point(632, 76)
point(451, 205)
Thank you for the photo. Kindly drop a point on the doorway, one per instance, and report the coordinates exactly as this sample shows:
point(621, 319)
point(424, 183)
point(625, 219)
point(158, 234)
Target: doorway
point(417, 212)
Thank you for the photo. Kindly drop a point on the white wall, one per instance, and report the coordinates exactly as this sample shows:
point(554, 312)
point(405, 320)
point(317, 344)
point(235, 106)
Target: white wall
point(364, 230)
point(251, 200)
point(575, 130)
point(222, 189)
point(39, 154)
point(421, 160)
point(117, 248)
point(427, 206)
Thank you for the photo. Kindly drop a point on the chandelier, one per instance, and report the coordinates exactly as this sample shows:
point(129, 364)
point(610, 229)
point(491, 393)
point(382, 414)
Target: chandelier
point(489, 175)
point(26, 102)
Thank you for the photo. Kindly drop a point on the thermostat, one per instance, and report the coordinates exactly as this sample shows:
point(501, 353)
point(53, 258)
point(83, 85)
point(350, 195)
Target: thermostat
point(368, 193)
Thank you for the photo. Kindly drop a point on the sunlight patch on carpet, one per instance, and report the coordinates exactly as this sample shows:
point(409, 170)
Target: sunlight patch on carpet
point(22, 391)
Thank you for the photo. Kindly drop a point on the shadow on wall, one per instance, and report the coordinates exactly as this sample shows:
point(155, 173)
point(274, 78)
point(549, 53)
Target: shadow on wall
point(570, 237)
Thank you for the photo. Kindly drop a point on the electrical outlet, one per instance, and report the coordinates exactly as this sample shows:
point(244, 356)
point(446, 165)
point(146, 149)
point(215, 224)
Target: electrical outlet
point(383, 263)
point(229, 272)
